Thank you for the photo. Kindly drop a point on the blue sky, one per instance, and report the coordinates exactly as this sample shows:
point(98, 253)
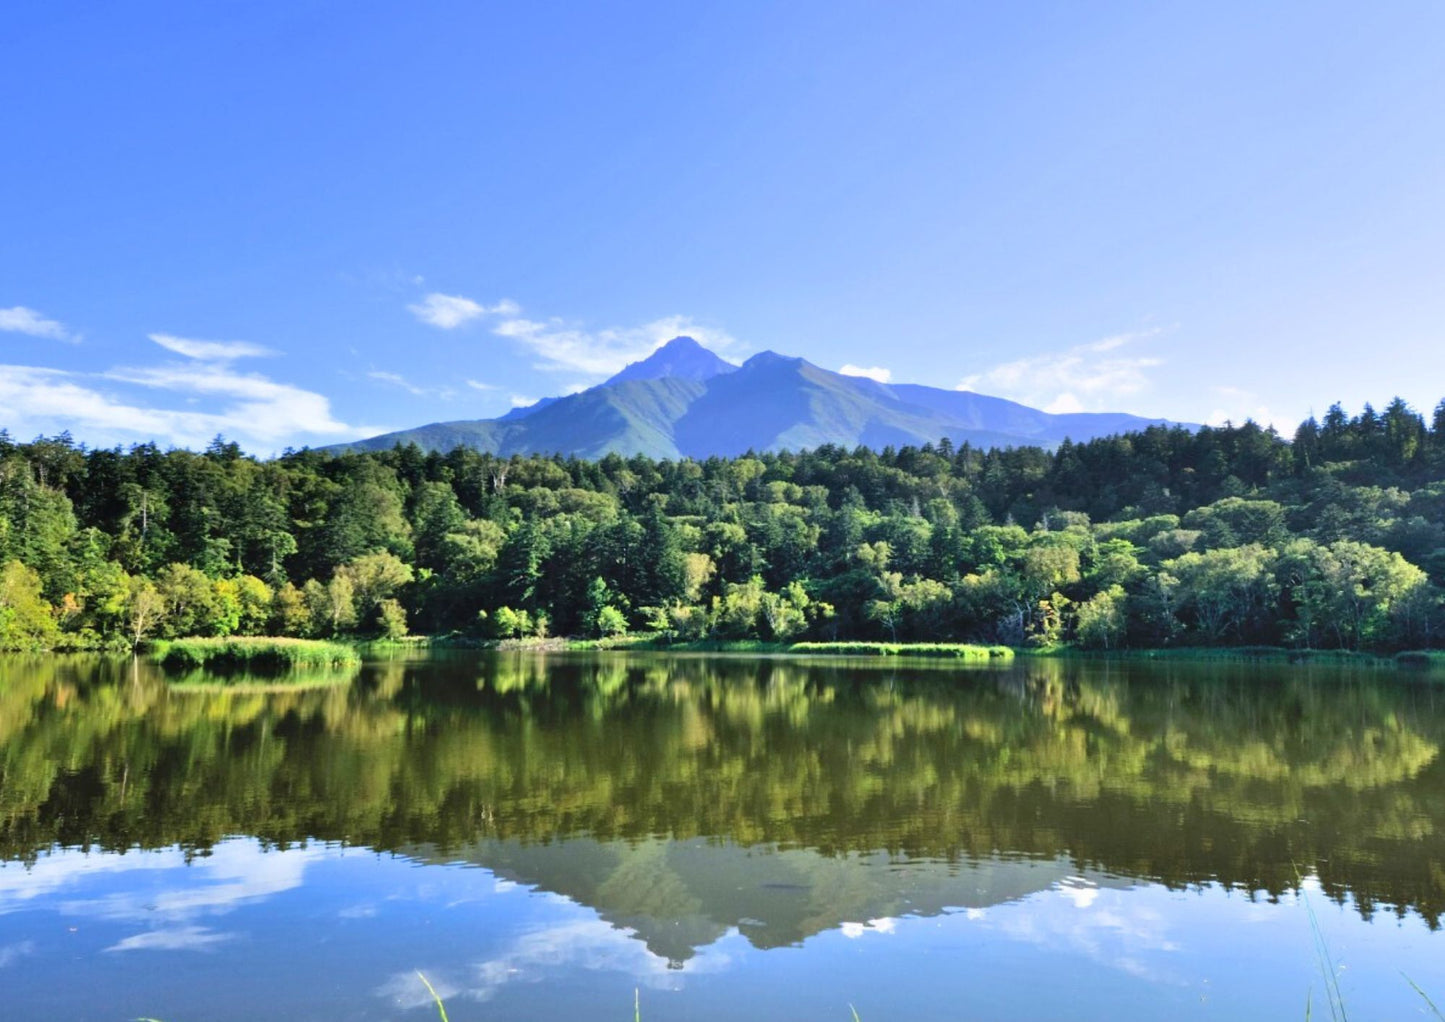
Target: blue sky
point(303, 222)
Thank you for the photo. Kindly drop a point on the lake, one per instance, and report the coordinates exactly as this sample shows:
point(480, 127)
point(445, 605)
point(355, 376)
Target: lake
point(550, 837)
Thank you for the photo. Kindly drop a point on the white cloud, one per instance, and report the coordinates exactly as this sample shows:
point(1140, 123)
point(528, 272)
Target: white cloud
point(260, 408)
point(397, 380)
point(179, 938)
point(568, 347)
point(254, 410)
point(538, 955)
point(855, 930)
point(172, 915)
point(876, 373)
point(1087, 377)
point(479, 385)
point(247, 407)
point(447, 312)
point(1117, 929)
point(1239, 405)
point(522, 401)
point(10, 953)
point(18, 319)
point(210, 351)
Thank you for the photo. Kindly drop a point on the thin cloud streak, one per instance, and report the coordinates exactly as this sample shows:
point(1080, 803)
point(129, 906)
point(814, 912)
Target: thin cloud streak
point(1088, 377)
point(397, 380)
point(21, 320)
point(447, 312)
point(210, 351)
point(256, 410)
point(567, 347)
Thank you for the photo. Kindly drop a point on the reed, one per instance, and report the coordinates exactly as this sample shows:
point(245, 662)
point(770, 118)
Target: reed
point(940, 650)
point(254, 654)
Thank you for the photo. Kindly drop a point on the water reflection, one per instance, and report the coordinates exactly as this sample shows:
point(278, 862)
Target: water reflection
point(672, 822)
point(1241, 775)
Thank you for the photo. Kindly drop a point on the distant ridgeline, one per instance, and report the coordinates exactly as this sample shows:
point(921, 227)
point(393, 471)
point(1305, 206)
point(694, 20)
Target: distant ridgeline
point(685, 402)
point(1166, 536)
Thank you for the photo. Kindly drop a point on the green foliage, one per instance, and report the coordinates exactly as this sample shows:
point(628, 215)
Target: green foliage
point(610, 622)
point(254, 654)
point(944, 650)
point(390, 619)
point(1216, 537)
point(25, 616)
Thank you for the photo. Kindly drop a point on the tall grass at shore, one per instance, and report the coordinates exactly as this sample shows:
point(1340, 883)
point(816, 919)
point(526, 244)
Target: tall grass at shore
point(254, 654)
point(943, 650)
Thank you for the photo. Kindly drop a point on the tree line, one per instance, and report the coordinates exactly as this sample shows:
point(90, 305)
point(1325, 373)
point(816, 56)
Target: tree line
point(1220, 536)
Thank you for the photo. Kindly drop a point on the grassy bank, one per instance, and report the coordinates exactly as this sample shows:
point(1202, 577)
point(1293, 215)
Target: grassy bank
point(649, 642)
point(1252, 654)
point(267, 655)
point(942, 650)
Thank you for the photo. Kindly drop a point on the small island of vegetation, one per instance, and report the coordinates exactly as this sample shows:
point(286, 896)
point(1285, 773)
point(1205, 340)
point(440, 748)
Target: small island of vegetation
point(1169, 538)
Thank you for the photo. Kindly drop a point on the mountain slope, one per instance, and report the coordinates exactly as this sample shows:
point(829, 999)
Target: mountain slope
point(684, 401)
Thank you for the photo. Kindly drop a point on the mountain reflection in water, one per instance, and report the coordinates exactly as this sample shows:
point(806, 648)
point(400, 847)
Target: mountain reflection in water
point(689, 802)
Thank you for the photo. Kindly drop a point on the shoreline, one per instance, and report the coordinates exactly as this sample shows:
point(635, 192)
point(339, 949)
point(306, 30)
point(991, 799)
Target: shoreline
point(256, 651)
point(1416, 660)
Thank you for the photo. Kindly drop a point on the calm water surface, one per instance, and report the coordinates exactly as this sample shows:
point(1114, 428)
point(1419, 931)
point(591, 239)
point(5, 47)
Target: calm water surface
point(731, 838)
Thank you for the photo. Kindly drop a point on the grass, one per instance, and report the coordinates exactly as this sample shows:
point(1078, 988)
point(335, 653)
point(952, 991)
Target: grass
point(254, 654)
point(1333, 997)
point(441, 1008)
point(1331, 974)
point(657, 642)
point(943, 650)
point(1253, 654)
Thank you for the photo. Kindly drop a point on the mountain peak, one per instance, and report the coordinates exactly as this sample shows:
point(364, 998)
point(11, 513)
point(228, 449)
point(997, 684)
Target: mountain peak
point(680, 358)
point(772, 358)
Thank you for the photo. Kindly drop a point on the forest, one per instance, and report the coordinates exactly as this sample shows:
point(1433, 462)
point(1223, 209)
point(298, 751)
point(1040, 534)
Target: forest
point(1333, 538)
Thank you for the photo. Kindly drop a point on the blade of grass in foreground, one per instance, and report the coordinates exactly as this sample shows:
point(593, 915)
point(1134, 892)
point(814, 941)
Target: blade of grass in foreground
point(1416, 987)
point(441, 1008)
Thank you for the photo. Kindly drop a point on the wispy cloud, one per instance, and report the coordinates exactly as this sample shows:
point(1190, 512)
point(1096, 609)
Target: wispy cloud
point(522, 401)
point(569, 348)
point(169, 916)
point(179, 938)
point(20, 320)
point(564, 346)
point(537, 956)
point(1087, 377)
point(1235, 405)
point(397, 380)
point(210, 351)
point(248, 407)
point(448, 312)
point(479, 385)
point(876, 373)
point(10, 953)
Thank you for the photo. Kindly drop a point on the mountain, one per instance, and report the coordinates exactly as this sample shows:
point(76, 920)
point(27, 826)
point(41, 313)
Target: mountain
point(681, 358)
point(685, 401)
point(680, 896)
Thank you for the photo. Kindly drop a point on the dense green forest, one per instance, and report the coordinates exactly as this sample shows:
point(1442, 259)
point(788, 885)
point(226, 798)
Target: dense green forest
point(1221, 536)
